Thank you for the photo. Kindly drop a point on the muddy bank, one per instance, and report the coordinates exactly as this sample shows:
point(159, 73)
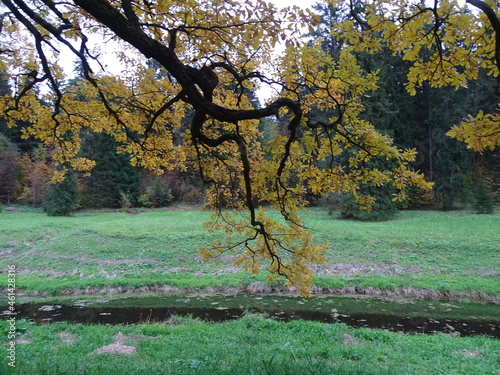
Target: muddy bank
point(260, 289)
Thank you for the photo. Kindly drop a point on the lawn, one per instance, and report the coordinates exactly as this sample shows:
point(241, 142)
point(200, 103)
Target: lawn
point(445, 252)
point(251, 345)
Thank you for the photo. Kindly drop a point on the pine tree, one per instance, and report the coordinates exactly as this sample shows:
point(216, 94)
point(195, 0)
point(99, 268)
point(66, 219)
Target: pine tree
point(9, 170)
point(483, 201)
point(62, 197)
point(112, 174)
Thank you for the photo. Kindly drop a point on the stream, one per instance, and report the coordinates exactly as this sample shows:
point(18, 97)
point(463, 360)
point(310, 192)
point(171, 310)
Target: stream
point(415, 316)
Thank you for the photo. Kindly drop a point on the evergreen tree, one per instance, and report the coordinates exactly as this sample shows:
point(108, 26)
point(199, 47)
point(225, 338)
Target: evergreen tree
point(483, 202)
point(9, 170)
point(62, 197)
point(112, 174)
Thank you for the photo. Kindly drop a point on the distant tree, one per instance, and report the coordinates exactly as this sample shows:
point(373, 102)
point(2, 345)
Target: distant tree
point(420, 120)
point(40, 181)
point(62, 196)
point(483, 201)
point(9, 170)
point(112, 174)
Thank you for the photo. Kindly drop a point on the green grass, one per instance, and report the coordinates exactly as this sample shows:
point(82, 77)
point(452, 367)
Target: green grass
point(251, 345)
point(442, 251)
point(448, 252)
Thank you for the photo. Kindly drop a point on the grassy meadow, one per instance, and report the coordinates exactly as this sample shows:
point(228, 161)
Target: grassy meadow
point(445, 252)
point(454, 253)
point(251, 345)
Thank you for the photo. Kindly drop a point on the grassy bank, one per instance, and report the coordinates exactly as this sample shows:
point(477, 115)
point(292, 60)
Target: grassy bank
point(252, 345)
point(454, 252)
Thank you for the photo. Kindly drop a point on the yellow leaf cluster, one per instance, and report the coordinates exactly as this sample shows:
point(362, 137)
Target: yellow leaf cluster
point(479, 133)
point(447, 41)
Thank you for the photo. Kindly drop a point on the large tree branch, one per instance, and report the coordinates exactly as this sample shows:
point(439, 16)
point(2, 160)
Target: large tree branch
point(495, 23)
point(197, 87)
point(128, 31)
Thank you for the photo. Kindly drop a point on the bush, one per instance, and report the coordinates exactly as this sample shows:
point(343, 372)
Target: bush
point(483, 201)
point(126, 201)
point(187, 187)
point(384, 208)
point(62, 197)
point(159, 194)
point(144, 201)
point(155, 190)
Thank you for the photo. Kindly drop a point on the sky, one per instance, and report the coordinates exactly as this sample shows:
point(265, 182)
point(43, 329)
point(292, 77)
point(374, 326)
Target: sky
point(300, 3)
point(68, 59)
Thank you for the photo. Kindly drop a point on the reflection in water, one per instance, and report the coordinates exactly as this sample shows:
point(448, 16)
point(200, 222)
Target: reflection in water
point(418, 317)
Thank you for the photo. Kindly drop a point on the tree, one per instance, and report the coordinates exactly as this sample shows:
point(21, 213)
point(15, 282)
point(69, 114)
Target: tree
point(9, 170)
point(214, 53)
point(62, 196)
point(447, 42)
point(111, 175)
point(417, 121)
point(36, 175)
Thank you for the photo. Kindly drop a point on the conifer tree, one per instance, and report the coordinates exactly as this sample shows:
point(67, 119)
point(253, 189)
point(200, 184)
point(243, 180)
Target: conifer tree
point(112, 174)
point(62, 196)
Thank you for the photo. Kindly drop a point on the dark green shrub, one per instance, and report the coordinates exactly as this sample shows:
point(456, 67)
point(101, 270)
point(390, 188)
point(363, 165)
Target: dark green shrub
point(384, 208)
point(483, 201)
point(62, 197)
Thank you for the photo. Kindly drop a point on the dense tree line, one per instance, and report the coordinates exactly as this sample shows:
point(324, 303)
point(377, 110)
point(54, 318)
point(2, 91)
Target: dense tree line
point(461, 177)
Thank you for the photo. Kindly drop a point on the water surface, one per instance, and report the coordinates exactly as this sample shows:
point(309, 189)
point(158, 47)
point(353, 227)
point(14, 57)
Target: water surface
point(420, 316)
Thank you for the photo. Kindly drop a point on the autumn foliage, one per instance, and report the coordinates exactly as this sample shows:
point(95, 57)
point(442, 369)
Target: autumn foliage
point(208, 56)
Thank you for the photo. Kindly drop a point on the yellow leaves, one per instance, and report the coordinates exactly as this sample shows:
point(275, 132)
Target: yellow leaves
point(162, 6)
point(58, 176)
point(82, 164)
point(282, 250)
point(446, 42)
point(409, 155)
point(480, 132)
